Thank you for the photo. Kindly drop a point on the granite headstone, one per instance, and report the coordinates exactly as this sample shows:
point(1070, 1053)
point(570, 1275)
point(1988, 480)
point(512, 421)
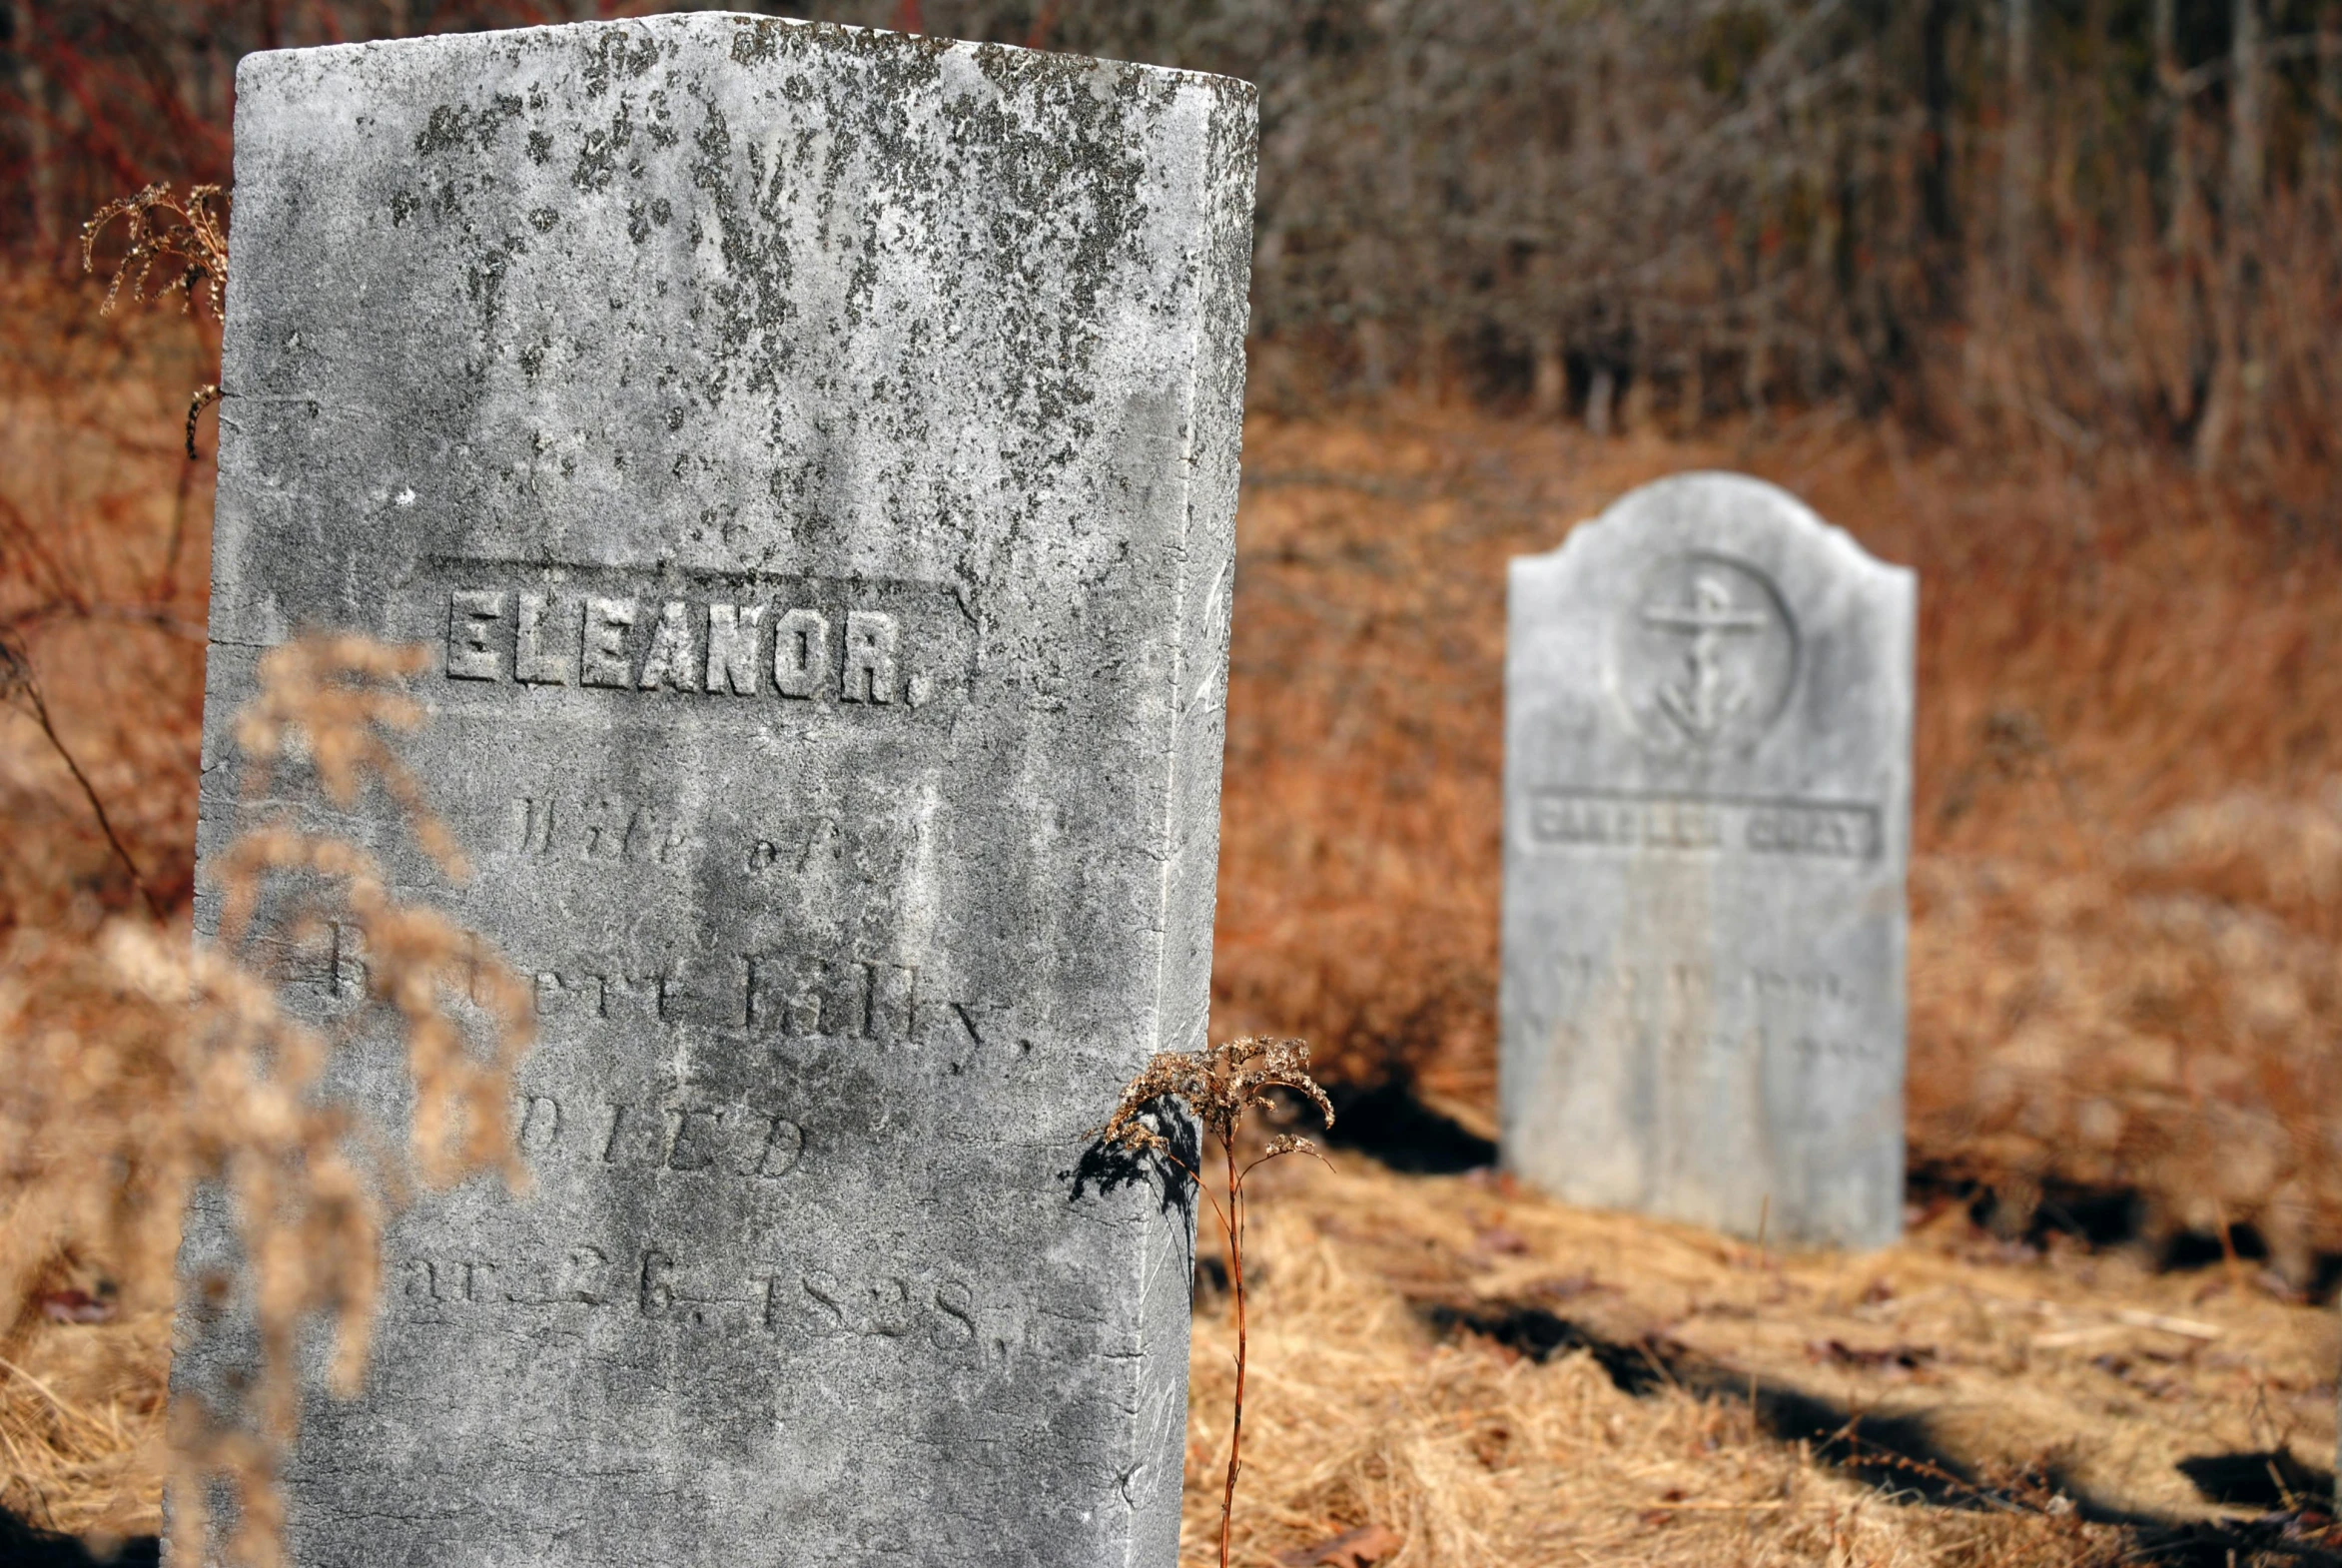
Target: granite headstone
point(1707, 796)
point(811, 457)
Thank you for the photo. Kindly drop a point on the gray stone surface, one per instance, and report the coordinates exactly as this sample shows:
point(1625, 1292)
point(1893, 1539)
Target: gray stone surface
point(1707, 788)
point(811, 454)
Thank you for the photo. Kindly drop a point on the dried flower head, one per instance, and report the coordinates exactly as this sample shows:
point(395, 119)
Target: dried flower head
point(1218, 1084)
point(175, 246)
point(154, 1063)
point(172, 245)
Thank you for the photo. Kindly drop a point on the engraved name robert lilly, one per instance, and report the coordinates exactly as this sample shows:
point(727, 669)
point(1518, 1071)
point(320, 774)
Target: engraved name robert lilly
point(740, 648)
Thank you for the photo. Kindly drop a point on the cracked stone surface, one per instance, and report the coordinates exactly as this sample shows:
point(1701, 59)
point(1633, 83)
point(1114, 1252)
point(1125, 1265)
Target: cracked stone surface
point(1706, 795)
point(810, 455)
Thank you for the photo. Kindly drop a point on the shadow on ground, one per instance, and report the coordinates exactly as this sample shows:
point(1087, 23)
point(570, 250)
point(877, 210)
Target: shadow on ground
point(22, 1546)
point(1389, 1123)
point(1898, 1455)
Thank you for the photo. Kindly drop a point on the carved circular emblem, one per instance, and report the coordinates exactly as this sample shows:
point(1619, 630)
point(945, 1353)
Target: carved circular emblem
point(1704, 655)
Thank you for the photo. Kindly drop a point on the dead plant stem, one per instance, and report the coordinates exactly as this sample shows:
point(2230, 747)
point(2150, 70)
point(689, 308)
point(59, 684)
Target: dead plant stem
point(166, 588)
point(1233, 1222)
point(90, 793)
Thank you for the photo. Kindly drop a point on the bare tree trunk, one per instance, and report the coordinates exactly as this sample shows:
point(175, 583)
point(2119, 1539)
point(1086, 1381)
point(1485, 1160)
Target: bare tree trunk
point(1374, 354)
point(1427, 368)
point(40, 154)
point(2248, 171)
point(2237, 374)
point(1548, 377)
point(1600, 390)
point(1635, 408)
point(202, 52)
point(2184, 236)
point(2179, 222)
point(2327, 163)
point(2020, 148)
point(1939, 203)
point(1407, 271)
point(2001, 354)
point(2247, 98)
point(1756, 376)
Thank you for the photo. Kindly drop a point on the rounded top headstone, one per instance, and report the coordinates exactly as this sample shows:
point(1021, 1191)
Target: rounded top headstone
point(1708, 706)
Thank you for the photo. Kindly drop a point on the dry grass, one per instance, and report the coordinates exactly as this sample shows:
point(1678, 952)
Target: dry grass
point(2031, 1382)
point(81, 1424)
point(2038, 1381)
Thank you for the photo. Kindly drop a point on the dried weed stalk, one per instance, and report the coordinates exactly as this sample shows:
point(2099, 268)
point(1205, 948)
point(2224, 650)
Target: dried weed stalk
point(1221, 1086)
point(171, 244)
point(337, 702)
point(144, 1067)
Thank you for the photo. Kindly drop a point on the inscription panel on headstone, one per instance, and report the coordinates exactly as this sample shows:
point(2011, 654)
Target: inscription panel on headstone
point(810, 457)
point(1708, 715)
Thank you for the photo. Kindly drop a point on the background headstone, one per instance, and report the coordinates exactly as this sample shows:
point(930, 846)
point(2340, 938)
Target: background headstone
point(812, 456)
point(1708, 731)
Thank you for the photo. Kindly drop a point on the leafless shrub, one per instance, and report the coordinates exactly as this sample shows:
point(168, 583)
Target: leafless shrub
point(17, 683)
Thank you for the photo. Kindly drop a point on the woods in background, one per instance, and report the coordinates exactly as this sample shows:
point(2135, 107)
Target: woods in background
point(2092, 222)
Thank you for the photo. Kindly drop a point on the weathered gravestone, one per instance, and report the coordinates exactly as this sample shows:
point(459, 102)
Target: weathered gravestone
point(1708, 714)
point(811, 454)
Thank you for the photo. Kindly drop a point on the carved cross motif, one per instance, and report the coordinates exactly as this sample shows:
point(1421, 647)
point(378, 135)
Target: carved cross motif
point(1705, 696)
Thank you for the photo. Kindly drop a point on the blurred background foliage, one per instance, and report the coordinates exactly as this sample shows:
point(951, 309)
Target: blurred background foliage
point(2083, 222)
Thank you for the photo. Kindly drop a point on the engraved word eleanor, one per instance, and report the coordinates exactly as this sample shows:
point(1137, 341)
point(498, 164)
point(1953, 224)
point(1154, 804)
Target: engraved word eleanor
point(627, 643)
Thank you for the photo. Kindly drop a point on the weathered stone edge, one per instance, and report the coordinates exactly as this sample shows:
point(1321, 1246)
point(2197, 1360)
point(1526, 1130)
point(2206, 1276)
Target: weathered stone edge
point(1618, 515)
point(685, 20)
